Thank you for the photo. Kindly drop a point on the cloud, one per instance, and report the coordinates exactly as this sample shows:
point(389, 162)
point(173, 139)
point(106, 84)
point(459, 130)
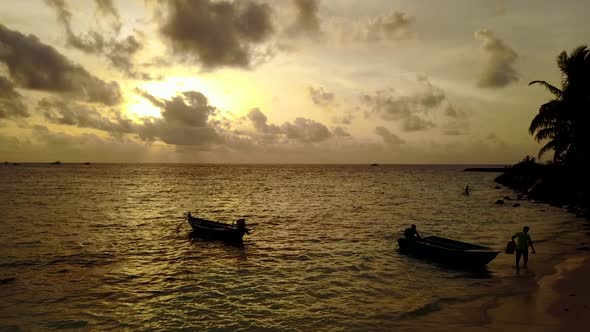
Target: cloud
point(185, 121)
point(47, 145)
point(407, 108)
point(36, 66)
point(499, 68)
point(452, 112)
point(119, 52)
point(412, 111)
point(321, 97)
point(92, 43)
point(392, 26)
point(415, 123)
point(456, 127)
point(60, 111)
point(494, 139)
point(106, 8)
point(217, 33)
point(301, 129)
point(190, 108)
point(11, 104)
point(306, 130)
point(387, 136)
point(307, 21)
point(259, 121)
point(341, 132)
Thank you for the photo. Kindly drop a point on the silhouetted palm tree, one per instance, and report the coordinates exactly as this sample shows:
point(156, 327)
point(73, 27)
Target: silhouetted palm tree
point(564, 121)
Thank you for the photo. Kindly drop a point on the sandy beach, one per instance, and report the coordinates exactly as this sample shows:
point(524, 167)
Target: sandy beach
point(558, 303)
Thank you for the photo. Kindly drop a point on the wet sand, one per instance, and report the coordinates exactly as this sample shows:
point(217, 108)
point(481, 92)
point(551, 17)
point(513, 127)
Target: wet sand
point(559, 303)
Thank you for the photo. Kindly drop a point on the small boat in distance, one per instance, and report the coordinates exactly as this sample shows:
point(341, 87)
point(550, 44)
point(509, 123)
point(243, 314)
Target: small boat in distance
point(449, 251)
point(217, 230)
point(56, 163)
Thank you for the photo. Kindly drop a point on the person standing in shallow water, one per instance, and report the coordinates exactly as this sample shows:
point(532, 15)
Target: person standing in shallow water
point(412, 234)
point(523, 242)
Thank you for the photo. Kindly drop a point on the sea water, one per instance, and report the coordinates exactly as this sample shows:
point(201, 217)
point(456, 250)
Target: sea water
point(103, 246)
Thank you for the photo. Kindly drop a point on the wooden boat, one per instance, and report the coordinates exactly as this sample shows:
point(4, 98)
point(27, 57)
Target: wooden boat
point(218, 230)
point(449, 251)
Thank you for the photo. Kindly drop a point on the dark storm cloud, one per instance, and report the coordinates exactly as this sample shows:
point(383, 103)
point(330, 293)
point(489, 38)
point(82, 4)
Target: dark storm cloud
point(307, 21)
point(11, 105)
point(393, 26)
point(84, 116)
point(387, 136)
point(499, 68)
point(301, 129)
point(185, 120)
point(321, 97)
point(217, 33)
point(36, 66)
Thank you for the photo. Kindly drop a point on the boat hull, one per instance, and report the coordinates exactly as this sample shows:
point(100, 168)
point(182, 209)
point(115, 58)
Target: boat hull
point(449, 251)
point(208, 229)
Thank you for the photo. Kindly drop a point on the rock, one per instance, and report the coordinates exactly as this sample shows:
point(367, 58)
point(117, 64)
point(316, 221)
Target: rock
point(583, 248)
point(516, 205)
point(519, 197)
point(499, 201)
point(507, 198)
point(498, 187)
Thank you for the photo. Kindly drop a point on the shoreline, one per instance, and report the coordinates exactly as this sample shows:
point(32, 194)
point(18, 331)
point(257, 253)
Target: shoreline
point(557, 303)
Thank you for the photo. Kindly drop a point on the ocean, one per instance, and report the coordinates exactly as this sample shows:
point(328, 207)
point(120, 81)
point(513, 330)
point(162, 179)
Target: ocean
point(104, 247)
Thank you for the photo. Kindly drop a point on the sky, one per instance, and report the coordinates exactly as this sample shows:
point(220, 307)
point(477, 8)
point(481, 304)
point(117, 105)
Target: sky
point(279, 81)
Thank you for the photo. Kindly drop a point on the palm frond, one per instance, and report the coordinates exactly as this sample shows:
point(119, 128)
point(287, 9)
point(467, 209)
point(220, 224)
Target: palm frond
point(554, 90)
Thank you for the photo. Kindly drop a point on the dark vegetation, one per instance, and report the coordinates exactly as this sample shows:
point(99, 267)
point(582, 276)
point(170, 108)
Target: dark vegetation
point(563, 126)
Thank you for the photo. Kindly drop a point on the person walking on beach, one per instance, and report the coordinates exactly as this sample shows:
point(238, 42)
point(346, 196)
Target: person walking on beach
point(523, 242)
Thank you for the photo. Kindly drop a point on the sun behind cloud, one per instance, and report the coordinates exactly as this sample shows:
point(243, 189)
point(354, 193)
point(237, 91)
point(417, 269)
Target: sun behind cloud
point(230, 94)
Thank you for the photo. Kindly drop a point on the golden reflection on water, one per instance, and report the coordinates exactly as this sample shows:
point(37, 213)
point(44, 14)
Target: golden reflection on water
point(97, 247)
